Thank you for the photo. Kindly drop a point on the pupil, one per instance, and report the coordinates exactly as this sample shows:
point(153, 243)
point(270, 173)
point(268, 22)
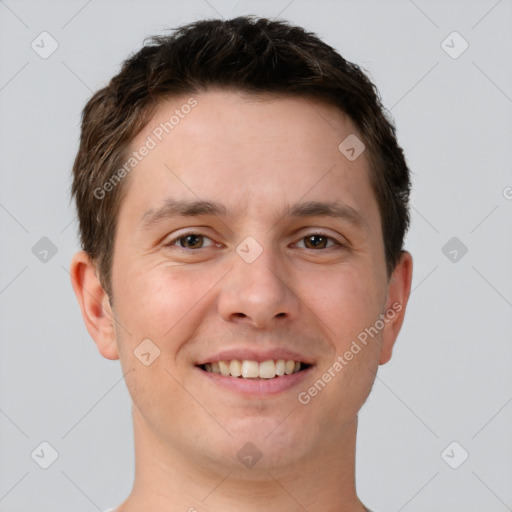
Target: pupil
point(316, 244)
point(188, 238)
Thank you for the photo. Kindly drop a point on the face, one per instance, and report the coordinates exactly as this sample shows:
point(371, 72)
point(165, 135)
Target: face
point(284, 262)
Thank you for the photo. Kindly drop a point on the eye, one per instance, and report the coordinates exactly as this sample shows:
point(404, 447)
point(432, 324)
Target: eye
point(318, 241)
point(189, 241)
point(194, 241)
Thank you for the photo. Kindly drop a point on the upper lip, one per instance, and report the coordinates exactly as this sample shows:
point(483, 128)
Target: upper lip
point(252, 354)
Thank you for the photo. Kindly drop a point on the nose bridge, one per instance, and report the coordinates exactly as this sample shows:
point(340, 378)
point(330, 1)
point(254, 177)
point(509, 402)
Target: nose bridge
point(259, 266)
point(256, 288)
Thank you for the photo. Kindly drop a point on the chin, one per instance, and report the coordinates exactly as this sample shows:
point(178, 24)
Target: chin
point(255, 448)
point(273, 442)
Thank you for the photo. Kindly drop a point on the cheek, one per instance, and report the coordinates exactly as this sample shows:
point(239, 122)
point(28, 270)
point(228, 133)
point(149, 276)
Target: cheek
point(347, 301)
point(346, 305)
point(162, 304)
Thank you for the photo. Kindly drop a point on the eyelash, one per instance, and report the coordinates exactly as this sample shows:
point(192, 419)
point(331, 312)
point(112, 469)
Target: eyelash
point(172, 243)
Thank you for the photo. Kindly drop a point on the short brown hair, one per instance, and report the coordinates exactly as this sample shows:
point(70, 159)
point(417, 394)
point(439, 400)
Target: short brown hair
point(248, 54)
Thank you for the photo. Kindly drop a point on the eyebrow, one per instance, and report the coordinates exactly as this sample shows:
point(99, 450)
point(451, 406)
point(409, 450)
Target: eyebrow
point(191, 208)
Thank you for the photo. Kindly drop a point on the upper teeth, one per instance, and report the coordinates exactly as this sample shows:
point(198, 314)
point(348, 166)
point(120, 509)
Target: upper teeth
point(253, 369)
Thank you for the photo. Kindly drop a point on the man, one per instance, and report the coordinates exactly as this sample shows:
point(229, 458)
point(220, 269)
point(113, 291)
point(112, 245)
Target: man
point(243, 203)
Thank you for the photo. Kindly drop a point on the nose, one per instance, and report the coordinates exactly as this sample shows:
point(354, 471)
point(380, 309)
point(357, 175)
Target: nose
point(258, 293)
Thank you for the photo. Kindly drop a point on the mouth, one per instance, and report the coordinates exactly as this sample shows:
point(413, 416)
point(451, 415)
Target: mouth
point(254, 370)
point(252, 373)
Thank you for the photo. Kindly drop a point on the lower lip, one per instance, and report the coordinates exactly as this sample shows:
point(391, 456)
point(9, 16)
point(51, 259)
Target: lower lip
point(257, 387)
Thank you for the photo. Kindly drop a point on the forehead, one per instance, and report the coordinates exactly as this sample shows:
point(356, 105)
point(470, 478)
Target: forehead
point(248, 152)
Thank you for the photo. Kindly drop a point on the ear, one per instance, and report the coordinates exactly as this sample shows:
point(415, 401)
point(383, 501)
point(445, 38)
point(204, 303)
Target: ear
point(94, 303)
point(399, 289)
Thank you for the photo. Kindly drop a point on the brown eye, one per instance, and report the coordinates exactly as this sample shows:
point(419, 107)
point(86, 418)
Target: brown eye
point(318, 241)
point(190, 241)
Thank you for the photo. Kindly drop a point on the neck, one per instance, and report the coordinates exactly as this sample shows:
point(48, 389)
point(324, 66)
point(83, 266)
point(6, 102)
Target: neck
point(166, 479)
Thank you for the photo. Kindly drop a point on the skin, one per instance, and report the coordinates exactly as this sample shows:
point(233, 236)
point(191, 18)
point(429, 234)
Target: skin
point(257, 156)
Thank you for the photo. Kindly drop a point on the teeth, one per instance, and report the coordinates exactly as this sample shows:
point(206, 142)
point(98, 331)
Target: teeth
point(268, 370)
point(235, 368)
point(248, 369)
point(224, 368)
point(280, 367)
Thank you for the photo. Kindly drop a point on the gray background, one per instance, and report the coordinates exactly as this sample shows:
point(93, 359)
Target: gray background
point(450, 378)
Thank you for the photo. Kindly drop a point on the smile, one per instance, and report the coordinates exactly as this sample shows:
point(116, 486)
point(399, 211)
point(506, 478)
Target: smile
point(249, 369)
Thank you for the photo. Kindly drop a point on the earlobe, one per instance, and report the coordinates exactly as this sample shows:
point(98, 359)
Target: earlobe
point(399, 289)
point(94, 304)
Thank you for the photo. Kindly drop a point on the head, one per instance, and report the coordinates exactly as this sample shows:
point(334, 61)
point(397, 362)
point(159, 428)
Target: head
point(272, 58)
point(249, 119)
